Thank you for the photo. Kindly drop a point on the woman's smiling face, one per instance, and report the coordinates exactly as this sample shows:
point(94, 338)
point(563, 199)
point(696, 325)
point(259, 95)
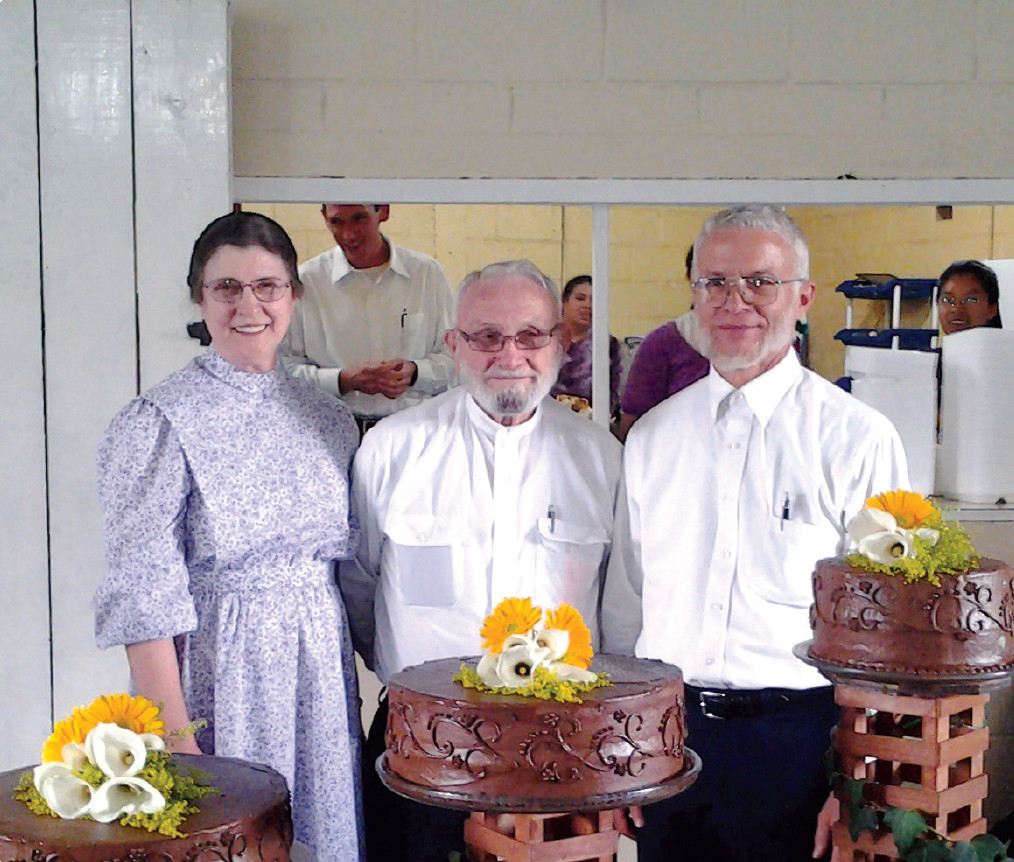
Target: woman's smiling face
point(246, 334)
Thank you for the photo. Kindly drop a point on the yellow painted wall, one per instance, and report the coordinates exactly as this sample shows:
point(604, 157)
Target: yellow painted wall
point(648, 246)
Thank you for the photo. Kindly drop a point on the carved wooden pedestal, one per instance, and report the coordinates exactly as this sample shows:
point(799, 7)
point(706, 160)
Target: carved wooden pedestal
point(541, 838)
point(918, 753)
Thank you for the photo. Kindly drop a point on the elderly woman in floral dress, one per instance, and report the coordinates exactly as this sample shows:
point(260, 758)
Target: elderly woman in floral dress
point(226, 505)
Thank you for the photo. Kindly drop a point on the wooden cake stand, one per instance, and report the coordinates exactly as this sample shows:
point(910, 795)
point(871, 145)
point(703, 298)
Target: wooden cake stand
point(538, 831)
point(918, 741)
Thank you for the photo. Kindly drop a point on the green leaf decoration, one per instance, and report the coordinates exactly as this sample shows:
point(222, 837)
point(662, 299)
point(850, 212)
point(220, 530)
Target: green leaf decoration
point(905, 826)
point(963, 851)
point(861, 820)
point(990, 848)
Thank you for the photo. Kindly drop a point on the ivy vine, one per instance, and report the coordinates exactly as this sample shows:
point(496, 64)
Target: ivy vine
point(915, 839)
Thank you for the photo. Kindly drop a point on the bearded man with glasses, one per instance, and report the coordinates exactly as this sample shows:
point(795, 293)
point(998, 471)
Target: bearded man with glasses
point(488, 491)
point(734, 488)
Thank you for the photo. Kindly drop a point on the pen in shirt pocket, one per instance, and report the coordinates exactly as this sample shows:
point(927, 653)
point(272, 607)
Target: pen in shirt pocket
point(785, 511)
point(551, 514)
point(404, 314)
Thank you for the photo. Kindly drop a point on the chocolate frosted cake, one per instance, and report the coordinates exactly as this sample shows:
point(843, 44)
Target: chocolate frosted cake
point(877, 622)
point(249, 819)
point(484, 745)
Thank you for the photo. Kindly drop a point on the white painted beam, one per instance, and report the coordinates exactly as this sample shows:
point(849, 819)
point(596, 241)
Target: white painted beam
point(24, 581)
point(957, 192)
point(87, 205)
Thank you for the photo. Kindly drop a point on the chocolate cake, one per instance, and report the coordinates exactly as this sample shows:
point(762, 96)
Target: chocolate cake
point(877, 622)
point(249, 819)
point(623, 737)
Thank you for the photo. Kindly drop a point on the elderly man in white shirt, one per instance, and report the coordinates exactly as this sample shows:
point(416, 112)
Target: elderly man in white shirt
point(488, 491)
point(371, 321)
point(733, 489)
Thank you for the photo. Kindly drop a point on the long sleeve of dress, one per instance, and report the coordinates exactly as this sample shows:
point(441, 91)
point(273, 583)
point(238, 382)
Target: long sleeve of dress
point(144, 484)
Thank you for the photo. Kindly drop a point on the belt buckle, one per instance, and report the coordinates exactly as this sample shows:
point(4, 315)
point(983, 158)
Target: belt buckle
point(709, 699)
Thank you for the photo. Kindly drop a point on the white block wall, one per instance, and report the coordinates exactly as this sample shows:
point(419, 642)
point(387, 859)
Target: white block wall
point(694, 89)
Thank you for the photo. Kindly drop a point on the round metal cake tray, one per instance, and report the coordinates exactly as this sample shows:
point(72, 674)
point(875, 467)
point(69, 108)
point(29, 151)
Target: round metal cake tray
point(534, 805)
point(916, 685)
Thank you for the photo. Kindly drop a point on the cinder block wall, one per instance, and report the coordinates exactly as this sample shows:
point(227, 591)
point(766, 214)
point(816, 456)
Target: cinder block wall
point(623, 88)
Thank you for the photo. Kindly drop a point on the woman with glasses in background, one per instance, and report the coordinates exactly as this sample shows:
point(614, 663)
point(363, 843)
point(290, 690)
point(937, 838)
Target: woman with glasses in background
point(226, 506)
point(968, 297)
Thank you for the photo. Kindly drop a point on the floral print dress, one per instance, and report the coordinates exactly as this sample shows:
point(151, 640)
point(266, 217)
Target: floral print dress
point(226, 504)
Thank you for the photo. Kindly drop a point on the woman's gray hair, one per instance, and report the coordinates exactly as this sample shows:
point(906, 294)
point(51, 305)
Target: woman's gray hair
point(523, 268)
point(766, 217)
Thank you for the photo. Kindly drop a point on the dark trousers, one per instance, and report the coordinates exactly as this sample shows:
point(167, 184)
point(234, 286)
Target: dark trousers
point(761, 786)
point(397, 828)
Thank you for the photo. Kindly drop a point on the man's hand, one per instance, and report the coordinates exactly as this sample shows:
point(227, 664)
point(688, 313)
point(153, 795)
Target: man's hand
point(828, 816)
point(389, 378)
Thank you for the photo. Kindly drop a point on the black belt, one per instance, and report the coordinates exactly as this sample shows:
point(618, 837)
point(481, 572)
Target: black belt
point(725, 703)
point(365, 423)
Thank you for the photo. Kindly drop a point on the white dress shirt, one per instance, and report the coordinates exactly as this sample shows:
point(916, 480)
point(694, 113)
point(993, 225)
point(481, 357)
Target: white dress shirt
point(346, 318)
point(730, 497)
point(458, 512)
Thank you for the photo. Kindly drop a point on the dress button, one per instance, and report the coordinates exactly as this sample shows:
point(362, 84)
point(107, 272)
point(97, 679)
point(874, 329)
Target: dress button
point(726, 555)
point(709, 661)
point(717, 606)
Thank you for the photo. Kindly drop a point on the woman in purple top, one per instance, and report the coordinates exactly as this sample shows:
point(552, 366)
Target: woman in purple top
point(664, 364)
point(576, 372)
point(225, 492)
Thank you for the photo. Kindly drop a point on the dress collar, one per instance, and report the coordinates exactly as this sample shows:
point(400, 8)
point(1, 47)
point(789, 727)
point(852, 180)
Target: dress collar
point(266, 383)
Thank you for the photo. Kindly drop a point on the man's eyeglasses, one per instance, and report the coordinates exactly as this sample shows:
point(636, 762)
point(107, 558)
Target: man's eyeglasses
point(491, 341)
point(754, 289)
point(230, 290)
point(951, 302)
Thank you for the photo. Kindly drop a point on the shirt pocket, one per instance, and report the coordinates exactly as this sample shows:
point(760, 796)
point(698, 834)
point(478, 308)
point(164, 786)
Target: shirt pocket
point(422, 555)
point(414, 344)
point(797, 536)
point(568, 557)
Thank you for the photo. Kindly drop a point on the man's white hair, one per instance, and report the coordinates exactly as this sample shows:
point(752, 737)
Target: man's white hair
point(766, 217)
point(525, 269)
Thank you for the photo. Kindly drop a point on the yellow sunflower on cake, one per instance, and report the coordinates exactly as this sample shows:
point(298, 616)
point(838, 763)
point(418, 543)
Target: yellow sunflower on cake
point(909, 510)
point(131, 713)
point(579, 645)
point(510, 617)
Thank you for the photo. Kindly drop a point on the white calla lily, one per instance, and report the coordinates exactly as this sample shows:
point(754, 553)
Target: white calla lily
point(571, 672)
point(153, 742)
point(886, 547)
point(516, 664)
point(554, 640)
point(118, 752)
point(486, 668)
point(74, 755)
point(928, 535)
point(120, 796)
point(869, 521)
point(67, 795)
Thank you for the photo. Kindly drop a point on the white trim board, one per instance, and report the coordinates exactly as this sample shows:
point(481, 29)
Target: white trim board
point(955, 192)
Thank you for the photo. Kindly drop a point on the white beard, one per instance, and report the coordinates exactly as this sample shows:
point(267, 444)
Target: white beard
point(514, 400)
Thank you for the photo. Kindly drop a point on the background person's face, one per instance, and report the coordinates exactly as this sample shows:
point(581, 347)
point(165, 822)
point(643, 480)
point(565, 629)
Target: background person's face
point(577, 308)
point(743, 339)
point(971, 307)
point(510, 381)
point(356, 229)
